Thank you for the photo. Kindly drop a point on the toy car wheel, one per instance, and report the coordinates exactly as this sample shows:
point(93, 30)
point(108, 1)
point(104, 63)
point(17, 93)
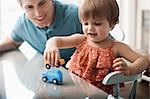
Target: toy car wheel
point(48, 66)
point(44, 79)
point(54, 81)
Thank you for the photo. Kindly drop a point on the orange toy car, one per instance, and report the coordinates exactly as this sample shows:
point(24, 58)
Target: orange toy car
point(61, 62)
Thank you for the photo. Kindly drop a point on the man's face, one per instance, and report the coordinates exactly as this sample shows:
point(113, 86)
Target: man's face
point(40, 12)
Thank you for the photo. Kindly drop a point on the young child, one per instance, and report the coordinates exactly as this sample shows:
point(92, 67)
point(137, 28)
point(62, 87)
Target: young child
point(96, 54)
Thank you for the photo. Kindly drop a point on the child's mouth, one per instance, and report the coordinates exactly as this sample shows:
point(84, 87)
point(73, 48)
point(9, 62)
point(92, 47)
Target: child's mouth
point(92, 34)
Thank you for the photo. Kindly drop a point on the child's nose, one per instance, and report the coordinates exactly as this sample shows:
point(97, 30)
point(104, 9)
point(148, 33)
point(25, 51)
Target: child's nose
point(91, 27)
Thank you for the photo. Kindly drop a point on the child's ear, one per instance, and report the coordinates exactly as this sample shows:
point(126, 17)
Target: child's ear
point(112, 26)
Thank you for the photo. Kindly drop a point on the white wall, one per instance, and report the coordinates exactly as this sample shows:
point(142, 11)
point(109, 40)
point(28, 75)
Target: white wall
point(128, 20)
point(10, 11)
point(0, 17)
point(143, 28)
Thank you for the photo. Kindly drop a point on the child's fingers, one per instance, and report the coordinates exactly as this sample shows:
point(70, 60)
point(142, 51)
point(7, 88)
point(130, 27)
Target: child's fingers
point(45, 56)
point(117, 60)
point(116, 64)
point(57, 58)
point(52, 59)
point(119, 65)
point(120, 68)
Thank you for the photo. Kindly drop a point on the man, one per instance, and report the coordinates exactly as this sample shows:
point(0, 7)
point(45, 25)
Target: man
point(42, 20)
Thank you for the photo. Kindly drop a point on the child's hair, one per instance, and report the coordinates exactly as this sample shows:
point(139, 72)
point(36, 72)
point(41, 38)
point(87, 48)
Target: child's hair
point(99, 9)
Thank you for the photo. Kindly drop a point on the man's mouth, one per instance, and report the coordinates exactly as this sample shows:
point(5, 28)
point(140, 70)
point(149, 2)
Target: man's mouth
point(41, 18)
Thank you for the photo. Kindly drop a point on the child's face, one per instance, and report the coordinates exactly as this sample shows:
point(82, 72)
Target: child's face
point(40, 12)
point(96, 30)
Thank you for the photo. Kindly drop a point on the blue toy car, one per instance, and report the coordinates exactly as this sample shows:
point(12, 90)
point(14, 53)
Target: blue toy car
point(53, 76)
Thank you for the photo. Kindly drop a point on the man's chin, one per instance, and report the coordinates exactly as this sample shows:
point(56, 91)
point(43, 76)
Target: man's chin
point(41, 25)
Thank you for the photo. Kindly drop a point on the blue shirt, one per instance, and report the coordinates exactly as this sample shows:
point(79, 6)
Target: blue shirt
point(66, 22)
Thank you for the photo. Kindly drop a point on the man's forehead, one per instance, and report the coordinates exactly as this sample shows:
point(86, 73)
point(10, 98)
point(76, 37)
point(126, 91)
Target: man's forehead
point(34, 0)
point(30, 2)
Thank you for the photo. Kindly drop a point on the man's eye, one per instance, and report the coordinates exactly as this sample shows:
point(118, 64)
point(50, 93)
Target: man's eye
point(29, 7)
point(42, 3)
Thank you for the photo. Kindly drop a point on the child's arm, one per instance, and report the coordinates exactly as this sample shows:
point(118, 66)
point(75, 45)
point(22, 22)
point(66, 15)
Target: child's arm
point(138, 62)
point(52, 54)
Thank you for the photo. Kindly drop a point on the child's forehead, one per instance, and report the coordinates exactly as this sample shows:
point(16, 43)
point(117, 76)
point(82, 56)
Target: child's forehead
point(93, 19)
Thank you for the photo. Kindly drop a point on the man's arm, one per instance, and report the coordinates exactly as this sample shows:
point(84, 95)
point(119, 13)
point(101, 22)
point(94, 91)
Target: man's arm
point(7, 44)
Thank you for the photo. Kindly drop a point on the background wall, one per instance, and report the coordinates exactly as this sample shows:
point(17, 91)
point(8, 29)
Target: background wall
point(10, 11)
point(129, 19)
point(143, 26)
point(0, 18)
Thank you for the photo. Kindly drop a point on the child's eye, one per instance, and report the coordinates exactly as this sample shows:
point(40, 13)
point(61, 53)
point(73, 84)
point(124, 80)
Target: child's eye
point(98, 23)
point(85, 23)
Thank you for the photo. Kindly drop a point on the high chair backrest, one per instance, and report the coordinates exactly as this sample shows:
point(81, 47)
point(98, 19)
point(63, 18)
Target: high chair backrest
point(116, 78)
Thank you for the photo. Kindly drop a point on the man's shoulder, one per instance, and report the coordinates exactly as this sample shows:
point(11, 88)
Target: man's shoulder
point(71, 8)
point(23, 20)
point(67, 8)
point(58, 3)
point(23, 26)
point(71, 12)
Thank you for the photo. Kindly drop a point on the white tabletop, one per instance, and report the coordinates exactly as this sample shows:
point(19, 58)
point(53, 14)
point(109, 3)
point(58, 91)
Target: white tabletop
point(21, 79)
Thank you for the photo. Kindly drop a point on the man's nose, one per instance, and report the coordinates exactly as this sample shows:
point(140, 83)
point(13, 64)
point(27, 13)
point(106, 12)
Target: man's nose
point(38, 12)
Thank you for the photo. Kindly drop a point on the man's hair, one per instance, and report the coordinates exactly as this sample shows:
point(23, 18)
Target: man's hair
point(20, 2)
point(99, 9)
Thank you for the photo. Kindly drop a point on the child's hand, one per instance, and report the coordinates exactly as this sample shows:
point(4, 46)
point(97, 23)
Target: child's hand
point(120, 65)
point(52, 55)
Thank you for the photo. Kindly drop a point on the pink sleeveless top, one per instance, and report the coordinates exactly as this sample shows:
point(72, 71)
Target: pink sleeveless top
point(92, 64)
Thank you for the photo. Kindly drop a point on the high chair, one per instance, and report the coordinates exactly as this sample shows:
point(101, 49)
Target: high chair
point(115, 78)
